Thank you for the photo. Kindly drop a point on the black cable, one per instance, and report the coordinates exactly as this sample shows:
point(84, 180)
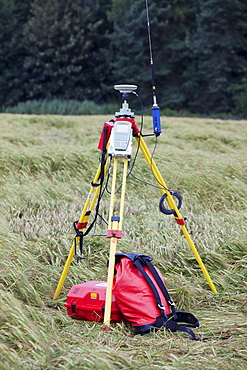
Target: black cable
point(148, 183)
point(138, 145)
point(155, 146)
point(142, 109)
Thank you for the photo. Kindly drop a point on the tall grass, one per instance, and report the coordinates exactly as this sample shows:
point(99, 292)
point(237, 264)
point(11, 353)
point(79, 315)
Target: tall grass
point(47, 164)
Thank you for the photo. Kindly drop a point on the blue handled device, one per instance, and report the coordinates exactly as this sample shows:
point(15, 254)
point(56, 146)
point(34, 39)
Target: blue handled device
point(156, 120)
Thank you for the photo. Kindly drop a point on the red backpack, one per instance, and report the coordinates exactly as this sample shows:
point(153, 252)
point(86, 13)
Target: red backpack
point(143, 299)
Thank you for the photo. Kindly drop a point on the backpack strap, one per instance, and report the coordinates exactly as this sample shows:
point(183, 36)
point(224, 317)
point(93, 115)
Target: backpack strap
point(172, 320)
point(188, 318)
point(132, 257)
point(173, 326)
point(140, 260)
point(161, 286)
point(160, 320)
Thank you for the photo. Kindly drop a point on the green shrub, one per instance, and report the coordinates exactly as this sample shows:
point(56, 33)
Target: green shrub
point(240, 100)
point(63, 107)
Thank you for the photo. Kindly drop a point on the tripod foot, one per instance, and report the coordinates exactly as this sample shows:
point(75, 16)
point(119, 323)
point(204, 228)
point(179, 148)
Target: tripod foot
point(106, 328)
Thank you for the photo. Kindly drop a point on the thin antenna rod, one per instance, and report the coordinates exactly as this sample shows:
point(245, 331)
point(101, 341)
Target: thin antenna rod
point(155, 107)
point(151, 55)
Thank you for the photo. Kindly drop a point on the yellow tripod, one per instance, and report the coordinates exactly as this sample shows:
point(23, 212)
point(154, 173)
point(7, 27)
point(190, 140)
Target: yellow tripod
point(110, 144)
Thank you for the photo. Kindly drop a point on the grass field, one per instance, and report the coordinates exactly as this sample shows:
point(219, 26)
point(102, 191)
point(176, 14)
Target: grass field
point(47, 165)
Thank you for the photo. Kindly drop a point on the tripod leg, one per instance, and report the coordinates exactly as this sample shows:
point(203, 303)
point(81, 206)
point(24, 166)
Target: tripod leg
point(115, 233)
point(172, 205)
point(85, 214)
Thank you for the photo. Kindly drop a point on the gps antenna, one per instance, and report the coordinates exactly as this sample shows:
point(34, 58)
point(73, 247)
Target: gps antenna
point(155, 107)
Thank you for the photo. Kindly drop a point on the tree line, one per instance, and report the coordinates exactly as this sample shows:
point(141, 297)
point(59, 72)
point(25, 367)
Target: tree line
point(79, 49)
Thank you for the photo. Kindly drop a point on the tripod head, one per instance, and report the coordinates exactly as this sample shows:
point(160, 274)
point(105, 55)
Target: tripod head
point(125, 90)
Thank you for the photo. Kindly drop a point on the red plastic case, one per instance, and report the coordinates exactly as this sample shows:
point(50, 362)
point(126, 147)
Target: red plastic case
point(86, 301)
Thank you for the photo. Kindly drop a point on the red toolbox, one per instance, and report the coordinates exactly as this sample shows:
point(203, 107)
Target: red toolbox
point(86, 301)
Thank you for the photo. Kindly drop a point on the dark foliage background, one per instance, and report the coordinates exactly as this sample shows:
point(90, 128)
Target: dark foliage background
point(64, 49)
